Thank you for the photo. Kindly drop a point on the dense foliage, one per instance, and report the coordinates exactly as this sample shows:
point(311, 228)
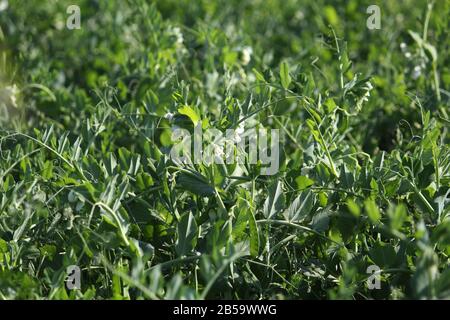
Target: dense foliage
point(86, 120)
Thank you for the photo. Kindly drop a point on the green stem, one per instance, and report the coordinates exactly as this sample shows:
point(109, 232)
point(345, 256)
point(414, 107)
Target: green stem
point(297, 226)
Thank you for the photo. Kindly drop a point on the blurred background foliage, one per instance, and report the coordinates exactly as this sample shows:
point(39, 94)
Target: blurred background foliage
point(216, 35)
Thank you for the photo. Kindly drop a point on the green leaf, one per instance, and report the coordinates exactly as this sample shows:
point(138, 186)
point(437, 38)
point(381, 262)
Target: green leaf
point(195, 183)
point(48, 251)
point(397, 216)
point(240, 224)
point(190, 113)
point(300, 207)
point(254, 235)
point(331, 15)
point(330, 104)
point(417, 38)
point(372, 210)
point(303, 182)
point(47, 173)
point(142, 249)
point(321, 221)
point(426, 273)
point(144, 181)
point(284, 75)
point(3, 246)
point(259, 75)
point(431, 50)
point(275, 202)
point(186, 234)
point(353, 208)
point(9, 181)
point(323, 199)
point(383, 255)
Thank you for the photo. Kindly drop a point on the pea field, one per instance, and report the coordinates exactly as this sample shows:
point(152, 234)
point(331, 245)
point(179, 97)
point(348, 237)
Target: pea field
point(224, 149)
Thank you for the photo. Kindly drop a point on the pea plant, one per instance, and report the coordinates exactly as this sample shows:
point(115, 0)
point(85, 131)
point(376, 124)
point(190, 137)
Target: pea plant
point(224, 150)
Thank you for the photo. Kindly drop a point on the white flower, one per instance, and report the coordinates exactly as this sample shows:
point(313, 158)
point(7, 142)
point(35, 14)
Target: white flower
point(218, 151)
point(8, 95)
point(365, 97)
point(169, 116)
point(179, 35)
point(3, 5)
point(299, 15)
point(238, 132)
point(403, 46)
point(368, 86)
point(240, 129)
point(246, 55)
point(408, 55)
point(416, 72)
point(59, 25)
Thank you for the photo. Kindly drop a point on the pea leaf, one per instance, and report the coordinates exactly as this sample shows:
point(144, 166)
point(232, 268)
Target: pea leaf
point(275, 202)
point(195, 183)
point(186, 234)
point(254, 235)
point(284, 75)
point(300, 207)
point(190, 113)
point(372, 210)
